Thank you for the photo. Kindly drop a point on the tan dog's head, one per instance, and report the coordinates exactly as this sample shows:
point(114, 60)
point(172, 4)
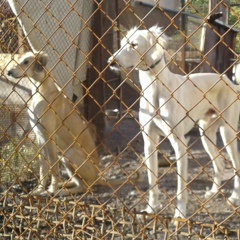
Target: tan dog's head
point(30, 65)
point(140, 49)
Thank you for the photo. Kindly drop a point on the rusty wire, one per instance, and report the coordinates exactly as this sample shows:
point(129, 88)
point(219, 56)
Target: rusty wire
point(105, 213)
point(36, 218)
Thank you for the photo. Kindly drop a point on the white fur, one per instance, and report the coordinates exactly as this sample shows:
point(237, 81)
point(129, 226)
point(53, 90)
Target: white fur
point(172, 104)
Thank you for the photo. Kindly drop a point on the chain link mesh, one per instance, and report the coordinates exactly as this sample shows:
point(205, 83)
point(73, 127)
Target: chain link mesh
point(79, 37)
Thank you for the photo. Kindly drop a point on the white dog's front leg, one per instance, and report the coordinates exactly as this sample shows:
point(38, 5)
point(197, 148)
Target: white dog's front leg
point(151, 161)
point(182, 195)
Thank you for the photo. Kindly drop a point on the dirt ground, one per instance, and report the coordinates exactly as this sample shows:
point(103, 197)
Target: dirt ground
point(122, 155)
point(200, 172)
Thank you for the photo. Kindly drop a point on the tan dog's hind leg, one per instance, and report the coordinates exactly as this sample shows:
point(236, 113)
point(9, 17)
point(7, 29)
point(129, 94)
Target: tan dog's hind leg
point(82, 172)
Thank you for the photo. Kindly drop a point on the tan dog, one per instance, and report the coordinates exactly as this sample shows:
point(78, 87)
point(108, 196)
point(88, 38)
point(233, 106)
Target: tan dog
point(59, 129)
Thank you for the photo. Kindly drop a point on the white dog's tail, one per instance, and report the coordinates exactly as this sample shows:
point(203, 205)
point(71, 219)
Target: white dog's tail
point(237, 88)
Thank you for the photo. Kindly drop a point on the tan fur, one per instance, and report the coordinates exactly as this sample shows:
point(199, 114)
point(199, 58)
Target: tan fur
point(61, 132)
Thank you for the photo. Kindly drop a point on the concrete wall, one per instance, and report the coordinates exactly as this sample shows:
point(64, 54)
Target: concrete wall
point(58, 28)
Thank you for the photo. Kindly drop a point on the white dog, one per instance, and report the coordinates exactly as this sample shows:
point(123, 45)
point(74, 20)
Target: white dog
point(172, 104)
point(61, 132)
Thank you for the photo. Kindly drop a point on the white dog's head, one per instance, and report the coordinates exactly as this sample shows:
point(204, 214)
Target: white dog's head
point(30, 65)
point(140, 49)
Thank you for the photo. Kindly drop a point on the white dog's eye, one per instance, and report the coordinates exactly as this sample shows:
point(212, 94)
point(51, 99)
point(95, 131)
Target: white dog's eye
point(133, 44)
point(25, 62)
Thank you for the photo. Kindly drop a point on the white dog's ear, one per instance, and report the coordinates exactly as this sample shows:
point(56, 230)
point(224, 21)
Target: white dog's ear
point(41, 62)
point(161, 38)
point(163, 41)
point(158, 42)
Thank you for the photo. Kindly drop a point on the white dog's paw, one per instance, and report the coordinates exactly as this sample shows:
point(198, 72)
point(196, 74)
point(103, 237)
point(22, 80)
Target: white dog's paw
point(234, 201)
point(179, 214)
point(153, 209)
point(149, 210)
point(209, 193)
point(37, 192)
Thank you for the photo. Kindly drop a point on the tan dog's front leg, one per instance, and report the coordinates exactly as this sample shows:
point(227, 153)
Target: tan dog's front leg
point(48, 166)
point(41, 187)
point(53, 162)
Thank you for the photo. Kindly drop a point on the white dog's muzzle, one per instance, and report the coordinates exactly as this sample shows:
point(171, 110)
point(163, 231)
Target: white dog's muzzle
point(112, 63)
point(115, 65)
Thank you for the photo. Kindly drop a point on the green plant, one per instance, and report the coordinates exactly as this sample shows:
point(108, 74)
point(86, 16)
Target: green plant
point(17, 162)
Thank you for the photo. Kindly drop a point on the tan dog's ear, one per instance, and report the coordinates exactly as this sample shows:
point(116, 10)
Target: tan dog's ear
point(41, 62)
point(43, 58)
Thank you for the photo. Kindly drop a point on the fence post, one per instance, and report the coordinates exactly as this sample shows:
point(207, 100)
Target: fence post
point(103, 41)
point(215, 6)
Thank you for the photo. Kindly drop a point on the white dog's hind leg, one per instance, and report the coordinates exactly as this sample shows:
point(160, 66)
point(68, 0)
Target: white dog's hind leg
point(180, 147)
point(230, 142)
point(208, 132)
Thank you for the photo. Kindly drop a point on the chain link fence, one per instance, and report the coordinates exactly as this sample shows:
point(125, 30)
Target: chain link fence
point(79, 37)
